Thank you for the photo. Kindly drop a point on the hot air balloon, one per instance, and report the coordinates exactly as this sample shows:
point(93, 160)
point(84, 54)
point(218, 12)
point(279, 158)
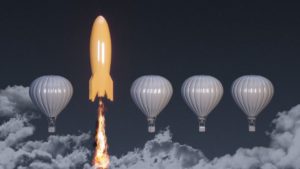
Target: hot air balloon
point(51, 94)
point(202, 93)
point(252, 93)
point(151, 93)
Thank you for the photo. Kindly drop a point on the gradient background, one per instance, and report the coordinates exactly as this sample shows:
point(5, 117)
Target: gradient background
point(172, 39)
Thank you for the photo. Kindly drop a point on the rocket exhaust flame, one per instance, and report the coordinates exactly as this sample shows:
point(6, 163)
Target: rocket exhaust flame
point(101, 156)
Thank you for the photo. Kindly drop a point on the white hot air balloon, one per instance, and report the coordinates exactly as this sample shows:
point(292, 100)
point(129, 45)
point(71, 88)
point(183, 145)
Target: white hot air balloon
point(252, 93)
point(202, 93)
point(51, 94)
point(151, 93)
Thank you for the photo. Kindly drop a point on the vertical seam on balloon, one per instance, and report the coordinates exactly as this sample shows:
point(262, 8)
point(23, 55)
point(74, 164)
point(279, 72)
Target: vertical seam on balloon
point(64, 100)
point(211, 97)
point(248, 84)
point(203, 104)
point(143, 97)
point(139, 97)
point(188, 96)
point(168, 92)
point(268, 86)
point(193, 96)
point(196, 97)
point(50, 97)
point(149, 96)
point(255, 107)
point(163, 97)
point(252, 105)
point(39, 95)
point(56, 98)
point(46, 97)
point(153, 99)
point(240, 100)
point(216, 88)
point(262, 100)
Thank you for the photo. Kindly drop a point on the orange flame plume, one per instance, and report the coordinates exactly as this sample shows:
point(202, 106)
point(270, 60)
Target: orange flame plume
point(101, 156)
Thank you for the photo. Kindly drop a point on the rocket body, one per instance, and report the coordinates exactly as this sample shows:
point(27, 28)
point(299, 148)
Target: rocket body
point(100, 84)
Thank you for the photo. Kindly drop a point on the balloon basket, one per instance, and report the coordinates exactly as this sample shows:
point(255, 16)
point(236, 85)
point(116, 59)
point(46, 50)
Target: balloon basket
point(151, 125)
point(251, 121)
point(202, 127)
point(151, 129)
point(51, 129)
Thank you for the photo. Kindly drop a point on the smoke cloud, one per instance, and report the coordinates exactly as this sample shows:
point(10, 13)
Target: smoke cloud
point(17, 151)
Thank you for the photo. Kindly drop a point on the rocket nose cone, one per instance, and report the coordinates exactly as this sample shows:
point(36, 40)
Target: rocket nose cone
point(100, 19)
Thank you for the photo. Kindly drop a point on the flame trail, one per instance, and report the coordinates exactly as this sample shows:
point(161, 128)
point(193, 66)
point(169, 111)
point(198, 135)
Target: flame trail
point(101, 156)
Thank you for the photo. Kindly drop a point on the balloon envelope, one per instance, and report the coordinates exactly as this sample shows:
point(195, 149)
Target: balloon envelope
point(51, 94)
point(151, 93)
point(202, 93)
point(252, 93)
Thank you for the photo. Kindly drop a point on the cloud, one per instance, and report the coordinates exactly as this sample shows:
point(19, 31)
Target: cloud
point(57, 152)
point(18, 152)
point(163, 153)
point(14, 100)
point(160, 153)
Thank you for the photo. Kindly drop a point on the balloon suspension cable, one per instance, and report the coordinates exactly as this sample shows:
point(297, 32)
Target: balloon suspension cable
point(101, 156)
point(51, 125)
point(202, 121)
point(151, 125)
point(251, 122)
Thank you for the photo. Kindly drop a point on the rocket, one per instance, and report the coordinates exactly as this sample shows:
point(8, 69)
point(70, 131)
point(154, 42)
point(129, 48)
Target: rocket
point(100, 84)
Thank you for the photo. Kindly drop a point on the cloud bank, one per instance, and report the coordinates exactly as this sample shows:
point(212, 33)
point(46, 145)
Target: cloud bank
point(15, 100)
point(163, 153)
point(17, 151)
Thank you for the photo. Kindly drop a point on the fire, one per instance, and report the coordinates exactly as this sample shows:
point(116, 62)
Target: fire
point(101, 156)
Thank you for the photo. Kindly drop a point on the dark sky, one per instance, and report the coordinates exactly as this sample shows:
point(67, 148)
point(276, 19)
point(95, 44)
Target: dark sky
point(173, 39)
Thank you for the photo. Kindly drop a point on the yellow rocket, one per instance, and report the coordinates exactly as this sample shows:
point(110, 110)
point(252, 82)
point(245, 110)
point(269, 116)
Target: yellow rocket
point(100, 84)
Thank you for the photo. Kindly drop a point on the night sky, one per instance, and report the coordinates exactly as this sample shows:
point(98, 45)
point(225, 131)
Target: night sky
point(173, 39)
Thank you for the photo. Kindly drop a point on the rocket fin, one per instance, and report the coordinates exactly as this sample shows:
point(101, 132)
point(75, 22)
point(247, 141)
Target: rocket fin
point(109, 88)
point(93, 88)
